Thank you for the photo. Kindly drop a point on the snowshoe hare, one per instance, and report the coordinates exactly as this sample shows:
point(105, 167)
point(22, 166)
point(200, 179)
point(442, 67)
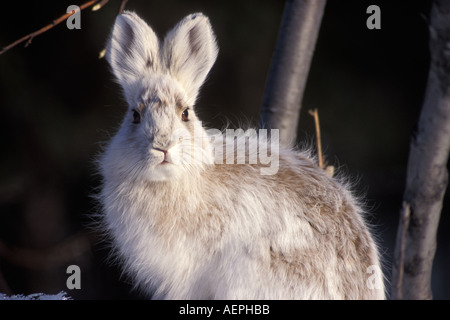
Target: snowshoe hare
point(189, 219)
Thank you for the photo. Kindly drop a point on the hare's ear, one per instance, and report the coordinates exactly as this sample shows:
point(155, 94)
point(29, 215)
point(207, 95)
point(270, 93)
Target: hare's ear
point(132, 50)
point(190, 51)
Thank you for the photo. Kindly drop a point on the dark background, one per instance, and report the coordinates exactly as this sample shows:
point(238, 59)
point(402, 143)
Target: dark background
point(59, 104)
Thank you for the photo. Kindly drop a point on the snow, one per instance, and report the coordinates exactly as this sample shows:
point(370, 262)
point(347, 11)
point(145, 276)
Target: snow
point(36, 296)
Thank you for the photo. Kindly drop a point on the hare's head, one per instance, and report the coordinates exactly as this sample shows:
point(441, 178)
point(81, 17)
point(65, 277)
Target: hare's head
point(160, 81)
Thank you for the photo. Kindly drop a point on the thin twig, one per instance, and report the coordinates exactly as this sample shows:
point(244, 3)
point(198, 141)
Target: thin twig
point(122, 6)
point(29, 37)
point(329, 170)
point(315, 114)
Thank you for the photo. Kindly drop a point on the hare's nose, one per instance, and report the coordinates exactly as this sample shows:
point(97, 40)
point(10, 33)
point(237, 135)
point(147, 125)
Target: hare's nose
point(162, 150)
point(165, 160)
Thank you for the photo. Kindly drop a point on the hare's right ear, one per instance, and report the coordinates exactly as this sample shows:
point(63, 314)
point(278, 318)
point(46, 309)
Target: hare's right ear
point(132, 50)
point(190, 50)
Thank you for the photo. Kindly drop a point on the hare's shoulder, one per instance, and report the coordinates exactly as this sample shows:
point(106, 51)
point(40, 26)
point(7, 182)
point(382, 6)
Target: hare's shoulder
point(296, 181)
point(272, 166)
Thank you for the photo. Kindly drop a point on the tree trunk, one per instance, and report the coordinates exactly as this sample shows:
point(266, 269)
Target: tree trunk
point(290, 66)
point(427, 174)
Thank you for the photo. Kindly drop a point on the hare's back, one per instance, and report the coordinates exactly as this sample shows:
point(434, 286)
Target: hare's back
point(310, 227)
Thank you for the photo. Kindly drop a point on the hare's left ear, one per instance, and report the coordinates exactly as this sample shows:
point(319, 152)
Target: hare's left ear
point(190, 51)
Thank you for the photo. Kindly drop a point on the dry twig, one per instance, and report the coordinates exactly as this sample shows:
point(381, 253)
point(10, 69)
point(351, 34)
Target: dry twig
point(29, 37)
point(122, 6)
point(329, 170)
point(315, 114)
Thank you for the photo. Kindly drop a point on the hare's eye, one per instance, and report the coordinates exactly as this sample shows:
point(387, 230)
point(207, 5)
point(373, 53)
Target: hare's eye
point(185, 115)
point(136, 116)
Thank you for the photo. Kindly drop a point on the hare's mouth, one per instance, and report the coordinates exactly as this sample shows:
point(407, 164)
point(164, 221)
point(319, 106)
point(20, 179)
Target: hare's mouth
point(165, 160)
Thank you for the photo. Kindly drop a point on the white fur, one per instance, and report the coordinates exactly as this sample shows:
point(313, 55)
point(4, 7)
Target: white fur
point(198, 230)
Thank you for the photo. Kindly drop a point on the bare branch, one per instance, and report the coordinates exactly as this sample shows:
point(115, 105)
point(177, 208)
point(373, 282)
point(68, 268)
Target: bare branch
point(29, 37)
point(315, 114)
point(427, 175)
point(290, 67)
point(122, 6)
point(329, 170)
